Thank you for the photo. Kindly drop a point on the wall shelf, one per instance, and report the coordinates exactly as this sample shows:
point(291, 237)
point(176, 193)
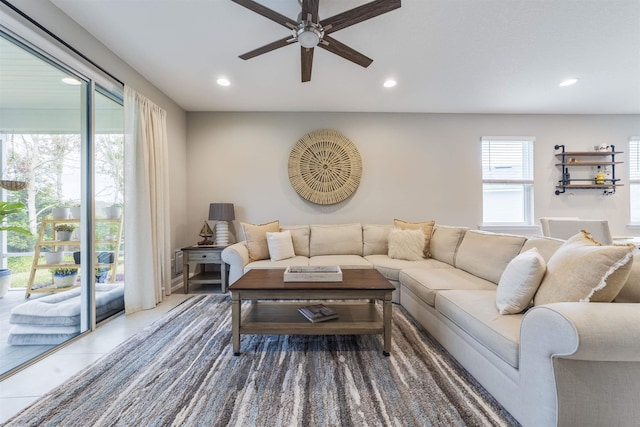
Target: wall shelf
point(581, 159)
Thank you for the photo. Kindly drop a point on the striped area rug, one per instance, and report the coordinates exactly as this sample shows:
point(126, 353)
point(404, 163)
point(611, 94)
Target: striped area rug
point(181, 371)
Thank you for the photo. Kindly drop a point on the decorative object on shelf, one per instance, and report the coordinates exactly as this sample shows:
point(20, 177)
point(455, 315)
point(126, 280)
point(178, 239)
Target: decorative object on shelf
point(53, 257)
point(318, 312)
point(325, 167)
point(13, 185)
point(64, 277)
point(75, 212)
point(113, 211)
point(603, 158)
point(223, 213)
point(61, 213)
point(206, 232)
point(63, 231)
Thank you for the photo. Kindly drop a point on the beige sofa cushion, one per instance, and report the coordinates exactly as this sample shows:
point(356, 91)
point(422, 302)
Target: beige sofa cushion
point(546, 246)
point(296, 261)
point(425, 283)
point(426, 227)
point(519, 282)
point(390, 268)
point(445, 241)
point(486, 254)
point(406, 244)
point(300, 238)
point(343, 239)
point(344, 261)
point(584, 270)
point(374, 238)
point(475, 313)
point(256, 237)
point(280, 245)
point(630, 292)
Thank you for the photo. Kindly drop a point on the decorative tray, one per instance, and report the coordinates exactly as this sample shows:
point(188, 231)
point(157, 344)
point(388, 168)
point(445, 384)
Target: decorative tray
point(313, 273)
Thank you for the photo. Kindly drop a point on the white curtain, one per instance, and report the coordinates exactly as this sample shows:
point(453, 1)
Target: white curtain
point(147, 259)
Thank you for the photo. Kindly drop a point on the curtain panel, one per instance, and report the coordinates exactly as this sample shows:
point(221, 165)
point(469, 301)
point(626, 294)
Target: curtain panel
point(146, 222)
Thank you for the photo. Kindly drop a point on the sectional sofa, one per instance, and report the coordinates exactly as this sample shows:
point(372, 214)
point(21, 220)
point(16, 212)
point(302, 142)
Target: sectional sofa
point(556, 363)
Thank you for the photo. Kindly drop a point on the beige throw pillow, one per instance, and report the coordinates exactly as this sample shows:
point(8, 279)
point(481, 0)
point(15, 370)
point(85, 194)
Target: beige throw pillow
point(406, 244)
point(280, 245)
point(519, 282)
point(256, 237)
point(426, 227)
point(584, 270)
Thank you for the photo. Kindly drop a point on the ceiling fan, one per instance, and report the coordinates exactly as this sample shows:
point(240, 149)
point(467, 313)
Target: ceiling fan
point(309, 31)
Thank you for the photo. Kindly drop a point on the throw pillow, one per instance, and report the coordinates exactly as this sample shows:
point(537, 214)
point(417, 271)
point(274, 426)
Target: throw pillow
point(256, 237)
point(280, 245)
point(426, 227)
point(406, 244)
point(584, 270)
point(519, 282)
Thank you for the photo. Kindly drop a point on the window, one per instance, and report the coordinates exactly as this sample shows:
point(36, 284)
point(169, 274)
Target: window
point(634, 179)
point(507, 181)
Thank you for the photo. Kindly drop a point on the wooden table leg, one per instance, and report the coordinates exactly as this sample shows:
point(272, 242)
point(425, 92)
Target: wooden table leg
point(185, 276)
point(235, 322)
point(386, 317)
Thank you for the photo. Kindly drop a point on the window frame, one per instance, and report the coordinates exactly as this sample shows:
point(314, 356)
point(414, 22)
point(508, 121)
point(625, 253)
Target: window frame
point(526, 183)
point(634, 158)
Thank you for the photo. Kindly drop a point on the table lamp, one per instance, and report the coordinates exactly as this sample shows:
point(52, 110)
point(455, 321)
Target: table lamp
point(223, 213)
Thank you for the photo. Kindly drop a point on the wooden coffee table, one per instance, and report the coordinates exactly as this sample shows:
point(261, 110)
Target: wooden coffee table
point(279, 315)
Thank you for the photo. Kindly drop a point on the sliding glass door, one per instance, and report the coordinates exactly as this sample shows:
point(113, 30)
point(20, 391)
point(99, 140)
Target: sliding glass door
point(61, 138)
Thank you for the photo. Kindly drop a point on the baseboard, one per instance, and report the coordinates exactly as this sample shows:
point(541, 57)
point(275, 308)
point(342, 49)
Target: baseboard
point(177, 284)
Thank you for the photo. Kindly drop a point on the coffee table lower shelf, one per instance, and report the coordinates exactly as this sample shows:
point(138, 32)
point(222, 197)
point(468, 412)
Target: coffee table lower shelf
point(283, 318)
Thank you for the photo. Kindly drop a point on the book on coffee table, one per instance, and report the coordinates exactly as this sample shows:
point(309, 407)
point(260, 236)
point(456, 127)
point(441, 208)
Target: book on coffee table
point(318, 312)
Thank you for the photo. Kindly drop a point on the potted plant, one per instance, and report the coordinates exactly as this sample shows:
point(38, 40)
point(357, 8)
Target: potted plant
point(113, 211)
point(61, 213)
point(6, 209)
point(52, 257)
point(63, 231)
point(64, 277)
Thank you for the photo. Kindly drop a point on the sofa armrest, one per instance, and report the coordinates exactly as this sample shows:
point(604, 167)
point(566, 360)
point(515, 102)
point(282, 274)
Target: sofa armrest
point(237, 256)
point(574, 359)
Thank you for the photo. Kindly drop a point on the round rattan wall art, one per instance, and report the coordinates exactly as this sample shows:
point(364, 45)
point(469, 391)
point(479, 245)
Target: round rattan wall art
point(325, 167)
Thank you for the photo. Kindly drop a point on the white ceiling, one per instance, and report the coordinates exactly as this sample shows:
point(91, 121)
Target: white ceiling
point(458, 56)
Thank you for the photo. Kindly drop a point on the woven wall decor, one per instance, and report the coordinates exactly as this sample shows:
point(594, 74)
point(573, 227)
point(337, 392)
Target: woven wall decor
point(325, 167)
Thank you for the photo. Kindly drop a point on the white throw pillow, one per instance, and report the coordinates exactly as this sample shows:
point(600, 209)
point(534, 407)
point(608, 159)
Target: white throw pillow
point(520, 281)
point(406, 244)
point(280, 245)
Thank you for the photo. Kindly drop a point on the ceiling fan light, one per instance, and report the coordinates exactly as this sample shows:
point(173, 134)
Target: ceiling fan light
point(308, 38)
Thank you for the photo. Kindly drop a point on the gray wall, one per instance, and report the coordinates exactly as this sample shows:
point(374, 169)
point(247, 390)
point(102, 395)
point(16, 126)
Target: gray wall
point(62, 26)
point(415, 166)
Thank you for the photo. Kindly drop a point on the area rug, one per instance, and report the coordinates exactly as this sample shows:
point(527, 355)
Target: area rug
point(181, 371)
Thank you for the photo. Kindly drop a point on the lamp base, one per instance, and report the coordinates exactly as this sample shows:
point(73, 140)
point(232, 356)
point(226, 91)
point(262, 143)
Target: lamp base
point(222, 233)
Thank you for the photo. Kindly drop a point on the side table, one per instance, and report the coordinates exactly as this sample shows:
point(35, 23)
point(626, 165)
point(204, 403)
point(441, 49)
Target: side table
point(204, 255)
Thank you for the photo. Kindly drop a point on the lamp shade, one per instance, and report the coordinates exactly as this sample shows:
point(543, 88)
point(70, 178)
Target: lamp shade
point(221, 212)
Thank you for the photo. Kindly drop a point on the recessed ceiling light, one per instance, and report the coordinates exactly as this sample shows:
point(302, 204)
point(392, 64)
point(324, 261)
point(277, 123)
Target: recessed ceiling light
point(71, 81)
point(569, 82)
point(390, 83)
point(223, 82)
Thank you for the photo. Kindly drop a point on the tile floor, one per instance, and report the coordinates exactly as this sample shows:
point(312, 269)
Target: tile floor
point(23, 388)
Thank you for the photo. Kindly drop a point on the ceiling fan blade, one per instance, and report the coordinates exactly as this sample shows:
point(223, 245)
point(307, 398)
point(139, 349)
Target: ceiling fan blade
point(267, 13)
point(310, 7)
point(341, 49)
point(266, 48)
point(306, 60)
point(358, 14)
